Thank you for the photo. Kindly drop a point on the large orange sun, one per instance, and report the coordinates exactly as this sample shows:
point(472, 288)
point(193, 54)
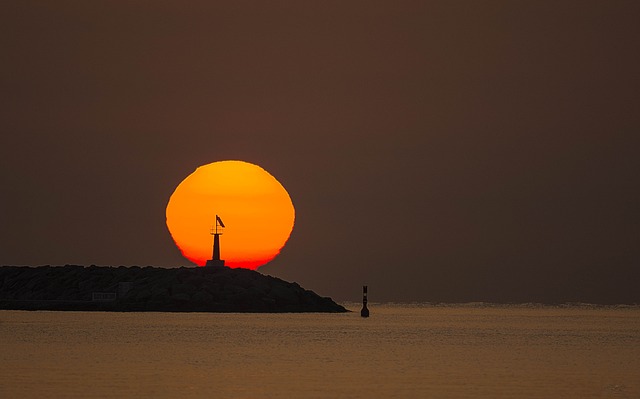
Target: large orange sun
point(256, 210)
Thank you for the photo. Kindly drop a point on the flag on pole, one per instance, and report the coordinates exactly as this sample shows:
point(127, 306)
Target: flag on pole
point(219, 221)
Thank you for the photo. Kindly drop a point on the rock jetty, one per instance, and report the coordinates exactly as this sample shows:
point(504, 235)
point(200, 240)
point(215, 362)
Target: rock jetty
point(140, 289)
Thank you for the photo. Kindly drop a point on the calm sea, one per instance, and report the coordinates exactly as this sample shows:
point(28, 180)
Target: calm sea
point(401, 351)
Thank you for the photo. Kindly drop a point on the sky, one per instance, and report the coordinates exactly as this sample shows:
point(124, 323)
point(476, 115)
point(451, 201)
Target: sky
point(434, 150)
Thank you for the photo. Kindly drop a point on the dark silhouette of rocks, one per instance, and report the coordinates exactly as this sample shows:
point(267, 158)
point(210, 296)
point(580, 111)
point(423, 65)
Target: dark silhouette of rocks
point(196, 289)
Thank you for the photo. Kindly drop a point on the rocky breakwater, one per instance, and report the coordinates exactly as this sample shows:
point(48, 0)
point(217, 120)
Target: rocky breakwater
point(193, 289)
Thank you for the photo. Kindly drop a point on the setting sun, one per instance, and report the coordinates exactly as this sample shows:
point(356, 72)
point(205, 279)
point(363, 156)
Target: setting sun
point(256, 209)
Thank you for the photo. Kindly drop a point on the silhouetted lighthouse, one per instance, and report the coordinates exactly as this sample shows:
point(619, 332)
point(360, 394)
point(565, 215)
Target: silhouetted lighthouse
point(216, 232)
point(364, 312)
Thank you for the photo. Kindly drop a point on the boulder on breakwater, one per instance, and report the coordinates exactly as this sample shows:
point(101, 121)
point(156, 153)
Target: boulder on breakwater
point(139, 289)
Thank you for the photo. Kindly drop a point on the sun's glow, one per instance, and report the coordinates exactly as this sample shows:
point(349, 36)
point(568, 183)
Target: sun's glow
point(256, 209)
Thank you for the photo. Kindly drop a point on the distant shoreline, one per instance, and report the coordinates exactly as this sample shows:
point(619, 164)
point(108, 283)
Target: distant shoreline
point(497, 305)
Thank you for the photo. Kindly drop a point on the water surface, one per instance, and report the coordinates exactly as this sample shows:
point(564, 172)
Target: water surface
point(402, 351)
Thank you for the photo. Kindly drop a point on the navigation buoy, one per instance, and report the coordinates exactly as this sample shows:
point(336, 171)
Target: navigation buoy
point(364, 312)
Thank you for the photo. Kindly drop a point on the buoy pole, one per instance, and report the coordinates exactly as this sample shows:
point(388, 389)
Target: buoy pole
point(364, 312)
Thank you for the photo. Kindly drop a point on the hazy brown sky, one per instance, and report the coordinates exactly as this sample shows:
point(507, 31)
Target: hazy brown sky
point(436, 150)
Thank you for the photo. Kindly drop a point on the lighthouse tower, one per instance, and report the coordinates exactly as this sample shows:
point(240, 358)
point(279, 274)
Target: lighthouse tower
point(216, 232)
